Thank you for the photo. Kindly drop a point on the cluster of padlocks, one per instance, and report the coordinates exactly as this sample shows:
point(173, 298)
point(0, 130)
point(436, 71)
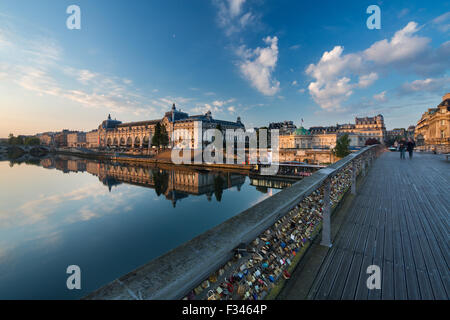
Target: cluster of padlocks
point(256, 268)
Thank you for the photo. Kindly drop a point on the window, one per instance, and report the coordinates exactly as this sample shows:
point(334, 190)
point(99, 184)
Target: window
point(442, 134)
point(442, 122)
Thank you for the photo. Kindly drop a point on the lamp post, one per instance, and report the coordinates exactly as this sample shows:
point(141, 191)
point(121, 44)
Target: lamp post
point(173, 125)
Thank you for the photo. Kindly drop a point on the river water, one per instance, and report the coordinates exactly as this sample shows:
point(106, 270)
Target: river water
point(106, 218)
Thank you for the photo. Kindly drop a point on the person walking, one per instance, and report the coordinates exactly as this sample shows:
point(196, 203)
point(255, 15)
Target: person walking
point(410, 147)
point(402, 149)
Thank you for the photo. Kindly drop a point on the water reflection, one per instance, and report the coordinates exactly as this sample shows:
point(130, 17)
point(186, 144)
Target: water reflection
point(108, 218)
point(174, 184)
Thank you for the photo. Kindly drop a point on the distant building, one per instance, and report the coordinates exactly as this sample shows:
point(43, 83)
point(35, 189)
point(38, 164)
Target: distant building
point(432, 132)
point(92, 139)
point(410, 132)
point(398, 132)
point(304, 139)
point(76, 140)
point(365, 129)
point(60, 138)
point(286, 127)
point(304, 146)
point(179, 125)
point(47, 139)
point(316, 144)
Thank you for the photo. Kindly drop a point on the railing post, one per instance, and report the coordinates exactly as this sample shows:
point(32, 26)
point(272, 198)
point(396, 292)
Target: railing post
point(326, 215)
point(354, 177)
point(364, 166)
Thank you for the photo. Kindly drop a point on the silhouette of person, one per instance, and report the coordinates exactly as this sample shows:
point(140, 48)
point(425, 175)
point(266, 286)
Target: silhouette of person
point(402, 149)
point(410, 147)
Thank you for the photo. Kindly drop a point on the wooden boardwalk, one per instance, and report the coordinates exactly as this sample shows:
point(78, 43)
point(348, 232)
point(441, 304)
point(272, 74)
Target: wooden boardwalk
point(399, 220)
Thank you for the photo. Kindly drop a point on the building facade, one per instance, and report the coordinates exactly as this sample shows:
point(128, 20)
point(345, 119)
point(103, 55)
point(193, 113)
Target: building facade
point(92, 139)
point(432, 132)
point(395, 133)
point(365, 129)
point(47, 139)
point(76, 140)
point(180, 127)
point(285, 127)
point(304, 139)
point(410, 132)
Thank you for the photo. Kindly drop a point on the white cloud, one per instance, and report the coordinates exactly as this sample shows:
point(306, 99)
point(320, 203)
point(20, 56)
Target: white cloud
point(367, 80)
point(442, 22)
point(235, 7)
point(331, 86)
point(380, 97)
point(404, 45)
point(85, 76)
point(231, 109)
point(232, 17)
point(205, 108)
point(37, 65)
point(336, 75)
point(219, 103)
point(436, 85)
point(259, 64)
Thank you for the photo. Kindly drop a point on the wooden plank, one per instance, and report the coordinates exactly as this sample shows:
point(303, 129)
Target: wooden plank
point(352, 278)
point(341, 276)
point(399, 221)
point(400, 290)
point(329, 277)
point(362, 292)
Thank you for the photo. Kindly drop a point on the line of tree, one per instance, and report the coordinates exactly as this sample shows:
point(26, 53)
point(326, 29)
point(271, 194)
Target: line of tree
point(161, 137)
point(21, 140)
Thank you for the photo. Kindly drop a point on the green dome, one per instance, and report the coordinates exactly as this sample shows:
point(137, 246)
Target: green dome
point(302, 132)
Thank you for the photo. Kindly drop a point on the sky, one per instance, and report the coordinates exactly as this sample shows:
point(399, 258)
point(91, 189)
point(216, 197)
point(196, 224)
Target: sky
point(263, 60)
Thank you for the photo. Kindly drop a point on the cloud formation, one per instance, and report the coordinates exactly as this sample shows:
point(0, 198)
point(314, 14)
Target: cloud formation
point(337, 75)
point(430, 85)
point(258, 65)
point(232, 17)
point(442, 22)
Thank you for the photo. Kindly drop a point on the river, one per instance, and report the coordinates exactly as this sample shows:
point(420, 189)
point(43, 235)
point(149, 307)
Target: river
point(106, 218)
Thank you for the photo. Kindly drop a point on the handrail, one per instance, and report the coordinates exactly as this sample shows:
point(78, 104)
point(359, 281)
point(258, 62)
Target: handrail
point(174, 274)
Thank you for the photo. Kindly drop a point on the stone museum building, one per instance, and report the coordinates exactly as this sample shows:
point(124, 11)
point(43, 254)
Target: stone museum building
point(179, 125)
point(432, 132)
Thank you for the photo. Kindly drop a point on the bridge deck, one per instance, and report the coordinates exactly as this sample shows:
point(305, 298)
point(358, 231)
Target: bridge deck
point(399, 220)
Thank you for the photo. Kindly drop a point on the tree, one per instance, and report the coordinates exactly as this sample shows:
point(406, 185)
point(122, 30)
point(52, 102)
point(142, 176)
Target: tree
point(11, 139)
point(342, 147)
point(156, 140)
point(218, 187)
point(32, 141)
point(164, 139)
point(15, 140)
point(161, 180)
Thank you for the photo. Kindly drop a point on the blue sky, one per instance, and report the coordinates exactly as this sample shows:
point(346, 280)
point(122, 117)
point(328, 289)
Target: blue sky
point(262, 60)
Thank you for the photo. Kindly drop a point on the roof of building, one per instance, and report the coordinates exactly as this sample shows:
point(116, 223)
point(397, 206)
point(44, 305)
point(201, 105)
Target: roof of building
point(138, 123)
point(302, 132)
point(173, 115)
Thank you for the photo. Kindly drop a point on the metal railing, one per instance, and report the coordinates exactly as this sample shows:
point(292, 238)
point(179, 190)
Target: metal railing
point(178, 272)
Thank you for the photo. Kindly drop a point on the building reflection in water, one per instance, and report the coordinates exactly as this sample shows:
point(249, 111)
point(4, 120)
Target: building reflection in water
point(174, 184)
